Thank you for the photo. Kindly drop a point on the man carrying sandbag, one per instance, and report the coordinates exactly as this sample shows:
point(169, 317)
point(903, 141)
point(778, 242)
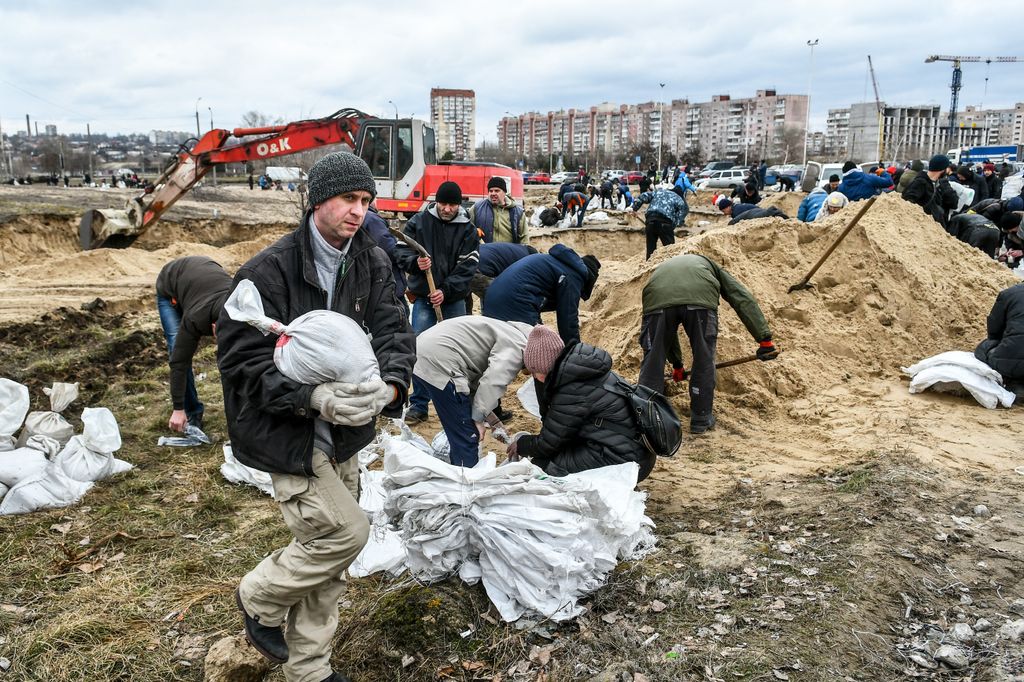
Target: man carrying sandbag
point(466, 364)
point(190, 294)
point(306, 436)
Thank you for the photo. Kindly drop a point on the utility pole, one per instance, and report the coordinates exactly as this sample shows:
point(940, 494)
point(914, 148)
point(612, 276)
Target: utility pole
point(810, 79)
point(215, 165)
point(88, 137)
point(661, 125)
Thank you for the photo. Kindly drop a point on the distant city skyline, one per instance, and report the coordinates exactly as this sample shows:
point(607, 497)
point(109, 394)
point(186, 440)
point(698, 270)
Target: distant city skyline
point(309, 63)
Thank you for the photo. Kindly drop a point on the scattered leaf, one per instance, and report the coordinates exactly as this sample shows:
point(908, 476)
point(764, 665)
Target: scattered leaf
point(88, 567)
point(658, 606)
point(193, 498)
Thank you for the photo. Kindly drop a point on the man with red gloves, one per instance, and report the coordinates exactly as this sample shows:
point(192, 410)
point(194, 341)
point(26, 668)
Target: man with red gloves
point(685, 290)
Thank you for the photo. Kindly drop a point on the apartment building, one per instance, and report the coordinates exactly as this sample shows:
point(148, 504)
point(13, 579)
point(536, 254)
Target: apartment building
point(901, 132)
point(453, 117)
point(978, 127)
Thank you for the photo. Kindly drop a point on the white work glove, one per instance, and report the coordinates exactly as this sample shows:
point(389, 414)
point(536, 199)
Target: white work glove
point(351, 404)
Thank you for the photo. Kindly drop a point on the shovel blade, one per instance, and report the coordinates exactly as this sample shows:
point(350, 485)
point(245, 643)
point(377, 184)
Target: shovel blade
point(800, 286)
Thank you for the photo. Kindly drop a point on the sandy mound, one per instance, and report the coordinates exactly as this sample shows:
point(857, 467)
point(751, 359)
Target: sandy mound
point(880, 301)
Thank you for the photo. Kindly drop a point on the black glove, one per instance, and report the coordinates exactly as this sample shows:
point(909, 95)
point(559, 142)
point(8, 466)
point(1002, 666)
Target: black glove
point(766, 350)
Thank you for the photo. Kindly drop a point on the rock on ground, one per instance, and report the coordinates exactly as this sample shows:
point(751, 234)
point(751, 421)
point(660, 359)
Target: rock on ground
point(231, 659)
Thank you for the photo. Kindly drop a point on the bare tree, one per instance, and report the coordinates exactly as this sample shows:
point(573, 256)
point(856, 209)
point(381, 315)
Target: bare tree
point(791, 143)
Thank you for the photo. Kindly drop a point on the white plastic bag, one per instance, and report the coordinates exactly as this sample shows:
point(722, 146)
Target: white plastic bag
point(957, 371)
point(50, 488)
point(314, 348)
point(535, 218)
point(527, 395)
point(51, 423)
point(13, 408)
point(598, 217)
point(90, 457)
point(17, 465)
point(236, 472)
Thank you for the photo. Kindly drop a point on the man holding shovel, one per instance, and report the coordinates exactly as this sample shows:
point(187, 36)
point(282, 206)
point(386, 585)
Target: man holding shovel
point(446, 233)
point(685, 290)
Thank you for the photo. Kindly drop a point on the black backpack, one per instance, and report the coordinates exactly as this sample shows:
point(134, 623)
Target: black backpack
point(657, 423)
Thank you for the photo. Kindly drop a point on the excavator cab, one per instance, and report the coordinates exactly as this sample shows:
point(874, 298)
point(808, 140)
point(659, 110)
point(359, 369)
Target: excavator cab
point(389, 147)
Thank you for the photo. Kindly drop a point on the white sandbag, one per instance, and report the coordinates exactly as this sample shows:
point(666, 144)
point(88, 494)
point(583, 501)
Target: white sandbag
point(535, 217)
point(956, 379)
point(90, 456)
point(965, 196)
point(50, 488)
point(13, 408)
point(567, 221)
point(3, 490)
point(441, 448)
point(1012, 186)
point(314, 348)
point(955, 357)
point(598, 217)
point(236, 472)
point(17, 465)
point(51, 423)
point(527, 395)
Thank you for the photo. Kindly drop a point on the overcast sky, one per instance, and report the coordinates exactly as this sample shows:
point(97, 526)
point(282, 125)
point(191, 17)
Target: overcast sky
point(135, 66)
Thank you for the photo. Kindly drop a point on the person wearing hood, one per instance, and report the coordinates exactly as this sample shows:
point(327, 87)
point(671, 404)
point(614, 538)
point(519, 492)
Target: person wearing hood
point(857, 184)
point(584, 425)
point(969, 179)
point(624, 194)
point(811, 205)
point(908, 175)
point(834, 203)
point(1013, 239)
point(466, 365)
point(684, 184)
point(444, 229)
point(498, 217)
point(685, 291)
point(667, 211)
point(931, 190)
point(542, 282)
point(1003, 349)
point(190, 293)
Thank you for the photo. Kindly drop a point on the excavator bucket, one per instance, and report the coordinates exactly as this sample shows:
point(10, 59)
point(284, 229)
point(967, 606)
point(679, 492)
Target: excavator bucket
point(107, 228)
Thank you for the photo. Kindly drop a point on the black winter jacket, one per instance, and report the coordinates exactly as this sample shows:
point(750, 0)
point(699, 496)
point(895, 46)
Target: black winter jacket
point(934, 198)
point(576, 410)
point(976, 182)
point(269, 417)
point(1003, 350)
point(977, 231)
point(454, 252)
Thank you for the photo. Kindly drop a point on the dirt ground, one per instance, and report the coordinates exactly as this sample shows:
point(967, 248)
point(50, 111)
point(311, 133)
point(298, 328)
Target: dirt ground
point(832, 526)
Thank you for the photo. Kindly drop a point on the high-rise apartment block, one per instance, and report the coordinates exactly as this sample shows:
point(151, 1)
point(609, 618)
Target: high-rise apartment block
point(453, 116)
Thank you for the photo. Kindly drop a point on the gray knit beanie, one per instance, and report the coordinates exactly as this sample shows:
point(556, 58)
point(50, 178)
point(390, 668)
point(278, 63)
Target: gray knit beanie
point(337, 173)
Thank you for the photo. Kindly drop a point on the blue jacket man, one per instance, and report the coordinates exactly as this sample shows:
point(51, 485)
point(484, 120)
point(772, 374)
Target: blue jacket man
point(683, 183)
point(666, 212)
point(811, 205)
point(543, 282)
point(857, 184)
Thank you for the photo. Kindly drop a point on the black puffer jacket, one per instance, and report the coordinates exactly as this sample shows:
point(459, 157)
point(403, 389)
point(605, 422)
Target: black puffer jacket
point(573, 402)
point(1003, 350)
point(270, 420)
point(977, 231)
point(454, 251)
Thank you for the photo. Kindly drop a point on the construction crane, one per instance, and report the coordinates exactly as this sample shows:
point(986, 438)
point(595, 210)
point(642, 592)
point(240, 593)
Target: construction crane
point(881, 111)
point(957, 82)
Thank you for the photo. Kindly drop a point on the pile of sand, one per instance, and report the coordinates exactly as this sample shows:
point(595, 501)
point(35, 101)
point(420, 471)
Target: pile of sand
point(897, 289)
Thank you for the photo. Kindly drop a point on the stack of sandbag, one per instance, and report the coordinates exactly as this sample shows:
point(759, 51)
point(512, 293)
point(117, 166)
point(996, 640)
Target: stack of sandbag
point(44, 473)
point(51, 423)
point(538, 543)
point(957, 372)
point(315, 348)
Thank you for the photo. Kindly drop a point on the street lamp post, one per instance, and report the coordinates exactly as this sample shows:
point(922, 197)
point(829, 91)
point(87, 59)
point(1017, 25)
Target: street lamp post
point(210, 109)
point(661, 124)
point(198, 134)
point(396, 108)
point(810, 78)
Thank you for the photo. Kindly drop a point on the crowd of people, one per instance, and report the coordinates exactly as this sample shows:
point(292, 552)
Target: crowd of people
point(431, 349)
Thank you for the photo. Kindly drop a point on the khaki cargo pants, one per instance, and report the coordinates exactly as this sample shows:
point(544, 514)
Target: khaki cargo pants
point(300, 585)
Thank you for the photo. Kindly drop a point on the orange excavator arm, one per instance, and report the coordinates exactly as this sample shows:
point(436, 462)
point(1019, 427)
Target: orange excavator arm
point(119, 228)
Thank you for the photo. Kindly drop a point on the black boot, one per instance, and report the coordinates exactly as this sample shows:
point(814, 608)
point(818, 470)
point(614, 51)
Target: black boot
point(269, 641)
point(338, 677)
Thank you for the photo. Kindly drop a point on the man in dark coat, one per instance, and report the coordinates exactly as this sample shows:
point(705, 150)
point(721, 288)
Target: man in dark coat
point(931, 191)
point(728, 208)
point(758, 212)
point(190, 294)
point(746, 193)
point(306, 436)
point(685, 290)
point(993, 183)
point(977, 231)
point(377, 228)
point(1013, 240)
point(542, 282)
point(495, 259)
point(969, 179)
point(444, 229)
point(1003, 350)
point(583, 424)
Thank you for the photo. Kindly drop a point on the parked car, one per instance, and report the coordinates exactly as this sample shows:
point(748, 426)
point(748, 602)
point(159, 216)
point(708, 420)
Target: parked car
point(633, 177)
point(715, 166)
point(796, 172)
point(526, 177)
point(612, 174)
point(539, 178)
point(561, 176)
point(731, 178)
